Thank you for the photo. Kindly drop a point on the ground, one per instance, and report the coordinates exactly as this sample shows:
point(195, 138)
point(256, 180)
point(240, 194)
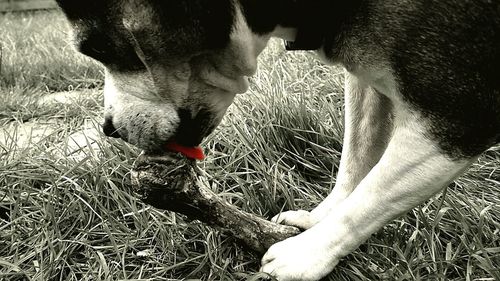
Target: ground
point(67, 213)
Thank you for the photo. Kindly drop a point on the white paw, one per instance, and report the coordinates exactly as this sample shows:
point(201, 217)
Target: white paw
point(302, 257)
point(301, 219)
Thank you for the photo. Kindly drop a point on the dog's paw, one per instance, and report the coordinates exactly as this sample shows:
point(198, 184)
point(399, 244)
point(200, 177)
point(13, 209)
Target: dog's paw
point(301, 219)
point(298, 258)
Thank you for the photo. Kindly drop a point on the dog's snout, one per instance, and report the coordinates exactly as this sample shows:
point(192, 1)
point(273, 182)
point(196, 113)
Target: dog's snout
point(109, 129)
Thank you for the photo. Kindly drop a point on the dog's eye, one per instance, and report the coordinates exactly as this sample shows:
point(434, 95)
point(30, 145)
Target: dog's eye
point(94, 46)
point(110, 51)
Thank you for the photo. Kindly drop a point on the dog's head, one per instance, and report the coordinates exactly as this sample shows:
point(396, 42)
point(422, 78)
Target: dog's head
point(173, 67)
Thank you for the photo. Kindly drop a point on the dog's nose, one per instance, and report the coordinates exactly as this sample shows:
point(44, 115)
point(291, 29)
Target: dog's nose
point(109, 129)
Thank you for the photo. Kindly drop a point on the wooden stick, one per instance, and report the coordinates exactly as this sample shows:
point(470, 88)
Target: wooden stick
point(173, 182)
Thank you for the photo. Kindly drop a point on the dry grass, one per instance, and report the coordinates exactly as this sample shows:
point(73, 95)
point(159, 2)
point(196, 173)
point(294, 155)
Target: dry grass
point(73, 218)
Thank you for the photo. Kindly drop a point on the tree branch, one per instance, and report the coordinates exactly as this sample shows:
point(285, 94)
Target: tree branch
point(173, 182)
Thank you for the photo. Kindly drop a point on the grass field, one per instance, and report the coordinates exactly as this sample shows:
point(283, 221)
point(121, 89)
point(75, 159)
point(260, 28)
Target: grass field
point(70, 216)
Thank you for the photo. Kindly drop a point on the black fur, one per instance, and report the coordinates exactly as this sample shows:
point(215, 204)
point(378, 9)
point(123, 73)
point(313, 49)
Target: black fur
point(100, 35)
point(318, 21)
point(450, 71)
point(446, 58)
point(185, 28)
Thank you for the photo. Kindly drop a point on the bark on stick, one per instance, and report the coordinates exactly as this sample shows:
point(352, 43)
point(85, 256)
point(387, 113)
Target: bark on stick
point(172, 182)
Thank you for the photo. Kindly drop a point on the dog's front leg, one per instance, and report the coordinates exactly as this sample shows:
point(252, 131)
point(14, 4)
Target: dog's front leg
point(410, 171)
point(368, 128)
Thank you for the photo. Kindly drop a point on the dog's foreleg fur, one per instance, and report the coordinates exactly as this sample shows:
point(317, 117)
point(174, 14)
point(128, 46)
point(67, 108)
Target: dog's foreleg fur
point(411, 170)
point(368, 129)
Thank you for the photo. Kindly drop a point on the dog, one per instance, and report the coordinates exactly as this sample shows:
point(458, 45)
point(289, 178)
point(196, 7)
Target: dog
point(422, 94)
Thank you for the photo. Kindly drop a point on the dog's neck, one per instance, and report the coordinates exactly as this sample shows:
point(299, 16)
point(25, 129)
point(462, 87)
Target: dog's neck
point(303, 24)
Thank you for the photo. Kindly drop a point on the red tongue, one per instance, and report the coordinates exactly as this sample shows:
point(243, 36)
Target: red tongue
point(189, 152)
